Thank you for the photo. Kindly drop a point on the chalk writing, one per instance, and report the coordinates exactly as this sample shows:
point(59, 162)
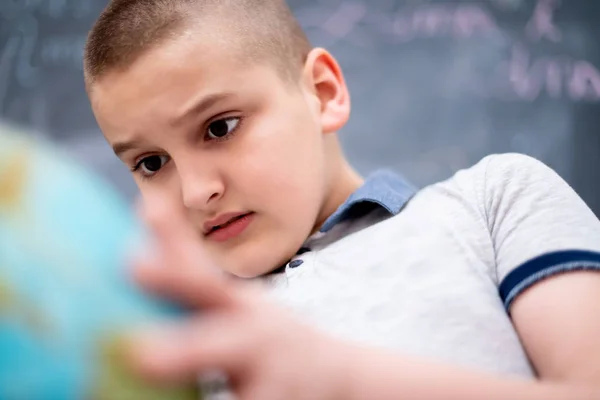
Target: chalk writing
point(520, 77)
point(11, 9)
point(508, 5)
point(428, 20)
point(560, 77)
point(541, 25)
point(527, 78)
point(435, 20)
point(8, 53)
point(343, 21)
point(64, 50)
point(26, 50)
point(26, 33)
point(584, 83)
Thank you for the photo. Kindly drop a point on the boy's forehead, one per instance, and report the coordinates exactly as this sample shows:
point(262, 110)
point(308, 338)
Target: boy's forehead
point(172, 78)
point(176, 68)
point(185, 57)
point(186, 62)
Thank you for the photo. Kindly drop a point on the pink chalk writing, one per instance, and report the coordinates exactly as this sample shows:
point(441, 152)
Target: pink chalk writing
point(584, 82)
point(541, 25)
point(520, 77)
point(508, 5)
point(343, 21)
point(553, 79)
point(558, 77)
point(525, 77)
point(470, 20)
point(351, 20)
point(436, 20)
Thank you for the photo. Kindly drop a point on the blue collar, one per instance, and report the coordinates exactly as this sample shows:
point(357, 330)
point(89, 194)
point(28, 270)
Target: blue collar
point(383, 188)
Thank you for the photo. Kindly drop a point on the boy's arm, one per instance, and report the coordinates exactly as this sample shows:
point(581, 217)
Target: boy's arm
point(547, 247)
point(381, 375)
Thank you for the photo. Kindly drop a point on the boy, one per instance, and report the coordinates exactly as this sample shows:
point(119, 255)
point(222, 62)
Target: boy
point(228, 119)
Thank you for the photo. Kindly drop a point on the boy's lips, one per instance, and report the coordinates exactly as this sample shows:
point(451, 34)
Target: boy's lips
point(226, 226)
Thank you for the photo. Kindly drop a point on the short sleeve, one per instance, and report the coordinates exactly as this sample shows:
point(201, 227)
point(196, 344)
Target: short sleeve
point(538, 225)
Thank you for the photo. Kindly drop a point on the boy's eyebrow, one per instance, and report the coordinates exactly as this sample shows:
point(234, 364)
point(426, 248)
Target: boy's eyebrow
point(121, 147)
point(199, 105)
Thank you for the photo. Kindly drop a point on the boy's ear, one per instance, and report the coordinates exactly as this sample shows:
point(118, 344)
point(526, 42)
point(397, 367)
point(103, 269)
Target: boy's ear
point(325, 78)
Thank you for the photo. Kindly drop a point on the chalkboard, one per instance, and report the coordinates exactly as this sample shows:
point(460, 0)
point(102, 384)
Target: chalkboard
point(435, 85)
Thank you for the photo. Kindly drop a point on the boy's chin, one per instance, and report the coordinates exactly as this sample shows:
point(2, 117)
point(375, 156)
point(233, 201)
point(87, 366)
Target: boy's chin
point(251, 272)
point(258, 255)
point(254, 266)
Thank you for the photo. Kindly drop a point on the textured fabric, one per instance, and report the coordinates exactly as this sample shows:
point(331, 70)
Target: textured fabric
point(424, 279)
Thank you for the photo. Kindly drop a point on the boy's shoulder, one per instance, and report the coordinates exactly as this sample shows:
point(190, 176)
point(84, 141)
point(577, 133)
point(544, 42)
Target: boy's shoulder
point(509, 176)
point(516, 168)
point(533, 222)
point(506, 168)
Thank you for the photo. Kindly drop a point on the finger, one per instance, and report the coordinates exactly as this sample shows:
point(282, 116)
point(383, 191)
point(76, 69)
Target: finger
point(171, 228)
point(174, 233)
point(186, 271)
point(182, 352)
point(187, 285)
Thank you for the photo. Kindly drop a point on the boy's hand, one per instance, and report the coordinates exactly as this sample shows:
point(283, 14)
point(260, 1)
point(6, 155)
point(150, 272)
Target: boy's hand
point(265, 353)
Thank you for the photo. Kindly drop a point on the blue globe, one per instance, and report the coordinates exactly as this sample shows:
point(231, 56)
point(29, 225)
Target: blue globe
point(66, 303)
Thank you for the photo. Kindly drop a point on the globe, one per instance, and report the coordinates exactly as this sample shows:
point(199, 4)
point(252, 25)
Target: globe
point(66, 302)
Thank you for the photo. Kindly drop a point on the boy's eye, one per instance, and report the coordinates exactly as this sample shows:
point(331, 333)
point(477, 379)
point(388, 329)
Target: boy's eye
point(223, 127)
point(151, 165)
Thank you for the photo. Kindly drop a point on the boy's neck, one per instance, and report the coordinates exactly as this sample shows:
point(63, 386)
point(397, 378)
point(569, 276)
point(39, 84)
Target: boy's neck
point(343, 181)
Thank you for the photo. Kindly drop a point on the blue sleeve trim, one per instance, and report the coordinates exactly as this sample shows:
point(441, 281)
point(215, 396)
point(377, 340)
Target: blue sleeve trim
point(543, 267)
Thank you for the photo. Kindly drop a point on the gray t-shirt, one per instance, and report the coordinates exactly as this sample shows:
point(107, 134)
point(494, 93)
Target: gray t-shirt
point(432, 273)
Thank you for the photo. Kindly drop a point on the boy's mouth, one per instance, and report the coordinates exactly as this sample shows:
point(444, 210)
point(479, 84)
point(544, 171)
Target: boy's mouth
point(232, 220)
point(227, 226)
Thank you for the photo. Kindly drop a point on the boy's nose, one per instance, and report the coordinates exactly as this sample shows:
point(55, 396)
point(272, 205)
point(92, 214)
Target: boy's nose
point(200, 189)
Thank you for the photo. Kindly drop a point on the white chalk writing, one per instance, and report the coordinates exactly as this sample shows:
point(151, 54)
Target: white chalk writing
point(8, 53)
point(63, 51)
point(26, 51)
point(11, 9)
point(26, 33)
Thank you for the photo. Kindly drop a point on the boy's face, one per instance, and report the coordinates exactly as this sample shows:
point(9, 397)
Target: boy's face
point(210, 138)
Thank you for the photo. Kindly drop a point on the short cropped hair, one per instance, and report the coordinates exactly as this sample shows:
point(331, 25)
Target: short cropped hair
point(260, 30)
